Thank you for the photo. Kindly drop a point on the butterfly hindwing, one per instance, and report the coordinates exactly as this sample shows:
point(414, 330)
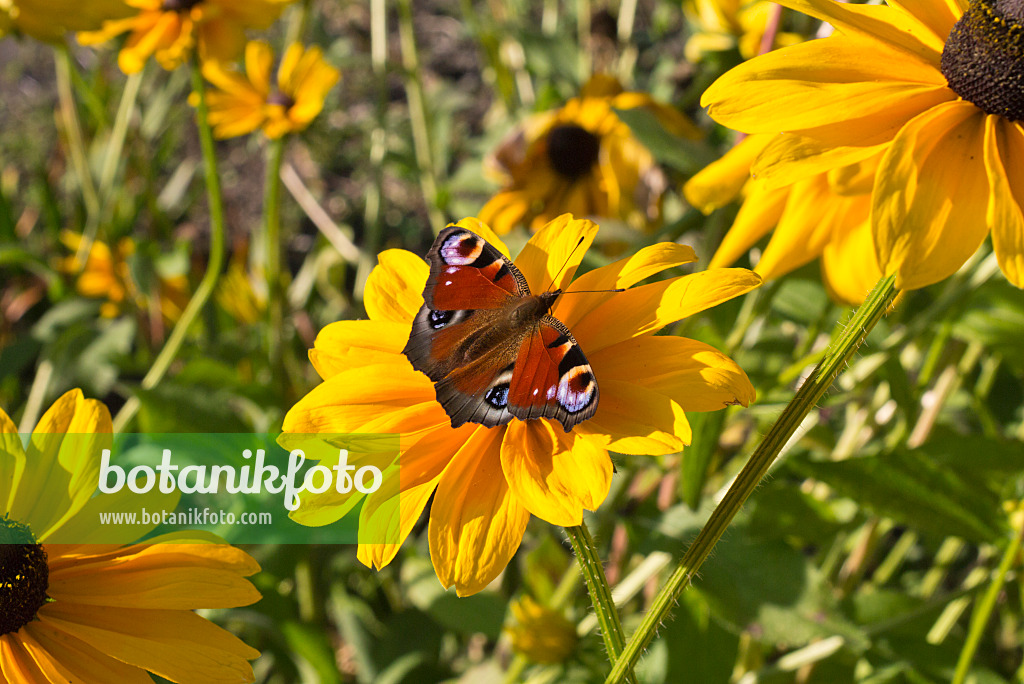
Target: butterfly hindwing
point(552, 377)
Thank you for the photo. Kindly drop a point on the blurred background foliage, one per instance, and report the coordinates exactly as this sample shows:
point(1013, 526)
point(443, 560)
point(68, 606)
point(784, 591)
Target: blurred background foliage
point(861, 558)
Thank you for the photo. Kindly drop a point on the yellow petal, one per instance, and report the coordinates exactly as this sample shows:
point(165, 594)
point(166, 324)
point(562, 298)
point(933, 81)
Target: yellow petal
point(631, 419)
point(649, 308)
point(804, 229)
point(623, 273)
point(549, 259)
point(82, 662)
point(857, 85)
point(720, 182)
point(849, 267)
point(931, 192)
point(394, 289)
point(481, 228)
point(1004, 150)
point(792, 158)
point(553, 473)
point(505, 210)
point(175, 644)
point(12, 461)
point(344, 345)
point(760, 212)
point(259, 59)
point(937, 15)
point(695, 375)
point(476, 523)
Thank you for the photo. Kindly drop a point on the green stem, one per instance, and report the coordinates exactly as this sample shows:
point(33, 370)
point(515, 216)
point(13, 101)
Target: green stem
point(820, 379)
point(73, 129)
point(214, 263)
point(597, 585)
point(374, 215)
point(272, 250)
point(987, 603)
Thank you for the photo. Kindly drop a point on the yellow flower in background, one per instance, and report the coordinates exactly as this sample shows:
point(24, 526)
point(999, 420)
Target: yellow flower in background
point(932, 87)
point(170, 29)
point(49, 20)
point(582, 159)
point(825, 216)
point(721, 25)
point(106, 275)
point(486, 482)
point(241, 295)
point(541, 634)
point(243, 103)
point(101, 613)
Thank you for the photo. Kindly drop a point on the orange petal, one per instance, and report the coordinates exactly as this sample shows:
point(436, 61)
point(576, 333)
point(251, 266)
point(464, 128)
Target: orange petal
point(549, 259)
point(1004, 148)
point(344, 345)
point(476, 523)
point(553, 473)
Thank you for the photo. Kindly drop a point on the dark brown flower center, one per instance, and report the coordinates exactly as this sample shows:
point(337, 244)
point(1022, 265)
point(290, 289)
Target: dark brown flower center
point(279, 98)
point(572, 150)
point(179, 5)
point(983, 59)
point(24, 576)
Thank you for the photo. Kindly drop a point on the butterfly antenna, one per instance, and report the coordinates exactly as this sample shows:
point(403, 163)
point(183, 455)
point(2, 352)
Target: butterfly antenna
point(564, 264)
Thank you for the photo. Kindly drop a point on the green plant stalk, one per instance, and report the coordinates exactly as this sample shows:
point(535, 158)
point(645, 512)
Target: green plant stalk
point(987, 603)
point(374, 215)
point(214, 263)
point(589, 561)
point(820, 379)
point(418, 116)
point(272, 251)
point(73, 129)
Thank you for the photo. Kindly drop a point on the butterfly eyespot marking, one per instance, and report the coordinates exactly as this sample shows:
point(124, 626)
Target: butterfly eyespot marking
point(575, 388)
point(439, 319)
point(497, 396)
point(461, 250)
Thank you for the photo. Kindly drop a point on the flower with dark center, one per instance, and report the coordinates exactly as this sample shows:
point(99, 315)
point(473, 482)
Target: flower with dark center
point(572, 150)
point(179, 5)
point(24, 576)
point(929, 94)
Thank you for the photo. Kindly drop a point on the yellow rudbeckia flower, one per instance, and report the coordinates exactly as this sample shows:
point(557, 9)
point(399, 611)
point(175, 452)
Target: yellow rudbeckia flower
point(243, 103)
point(170, 29)
point(582, 159)
point(49, 20)
point(101, 613)
point(823, 216)
point(541, 634)
point(932, 86)
point(487, 481)
point(726, 24)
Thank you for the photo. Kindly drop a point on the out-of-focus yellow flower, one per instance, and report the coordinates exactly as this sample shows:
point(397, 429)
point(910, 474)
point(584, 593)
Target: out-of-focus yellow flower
point(242, 103)
point(101, 613)
point(170, 29)
point(726, 24)
point(243, 297)
point(825, 216)
point(106, 275)
point(487, 481)
point(49, 20)
point(931, 88)
point(582, 159)
point(541, 634)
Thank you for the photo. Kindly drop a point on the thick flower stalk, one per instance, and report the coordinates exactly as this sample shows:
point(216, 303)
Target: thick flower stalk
point(486, 482)
point(935, 90)
point(170, 30)
point(72, 611)
point(582, 159)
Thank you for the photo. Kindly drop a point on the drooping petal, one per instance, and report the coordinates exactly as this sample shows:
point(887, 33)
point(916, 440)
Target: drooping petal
point(81, 662)
point(394, 289)
point(849, 267)
point(344, 345)
point(931, 196)
point(624, 273)
point(12, 461)
point(632, 419)
point(1004, 150)
point(553, 473)
point(549, 259)
point(178, 645)
point(793, 158)
point(721, 181)
point(760, 212)
point(476, 522)
point(649, 308)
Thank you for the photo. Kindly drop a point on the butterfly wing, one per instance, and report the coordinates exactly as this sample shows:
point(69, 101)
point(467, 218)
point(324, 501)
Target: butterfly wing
point(460, 337)
point(552, 377)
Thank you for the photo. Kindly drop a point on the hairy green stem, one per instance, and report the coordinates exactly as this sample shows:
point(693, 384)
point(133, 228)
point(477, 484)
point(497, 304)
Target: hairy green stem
point(820, 379)
point(214, 264)
point(589, 561)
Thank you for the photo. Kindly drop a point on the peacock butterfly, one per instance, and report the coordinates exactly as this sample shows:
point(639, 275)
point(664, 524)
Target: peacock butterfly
point(491, 347)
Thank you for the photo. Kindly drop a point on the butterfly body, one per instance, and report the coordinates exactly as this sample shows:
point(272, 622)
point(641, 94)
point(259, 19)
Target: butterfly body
point(491, 346)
